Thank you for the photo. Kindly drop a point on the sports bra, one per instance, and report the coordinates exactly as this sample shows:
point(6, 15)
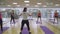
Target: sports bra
point(55, 14)
point(39, 14)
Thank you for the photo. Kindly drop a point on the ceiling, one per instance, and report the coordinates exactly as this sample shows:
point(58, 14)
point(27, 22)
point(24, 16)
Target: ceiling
point(32, 3)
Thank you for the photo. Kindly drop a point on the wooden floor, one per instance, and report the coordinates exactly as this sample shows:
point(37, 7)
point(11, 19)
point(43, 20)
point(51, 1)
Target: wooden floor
point(35, 28)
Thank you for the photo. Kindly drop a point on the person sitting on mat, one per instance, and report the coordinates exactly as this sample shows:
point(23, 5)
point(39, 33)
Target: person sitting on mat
point(1, 22)
point(56, 16)
point(25, 20)
point(39, 16)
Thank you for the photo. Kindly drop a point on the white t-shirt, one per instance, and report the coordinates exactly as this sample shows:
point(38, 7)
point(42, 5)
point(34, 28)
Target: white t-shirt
point(25, 15)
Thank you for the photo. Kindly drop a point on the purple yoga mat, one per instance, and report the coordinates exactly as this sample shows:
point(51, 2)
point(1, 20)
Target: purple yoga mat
point(4, 29)
point(25, 31)
point(46, 30)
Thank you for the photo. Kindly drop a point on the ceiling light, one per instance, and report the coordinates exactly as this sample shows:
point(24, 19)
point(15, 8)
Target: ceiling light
point(49, 3)
point(44, 6)
point(14, 3)
point(39, 3)
point(57, 5)
point(27, 4)
point(18, 5)
point(36, 5)
point(9, 5)
point(26, 1)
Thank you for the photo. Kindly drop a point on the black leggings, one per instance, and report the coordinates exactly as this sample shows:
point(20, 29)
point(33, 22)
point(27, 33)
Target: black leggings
point(13, 20)
point(1, 24)
point(56, 18)
point(25, 22)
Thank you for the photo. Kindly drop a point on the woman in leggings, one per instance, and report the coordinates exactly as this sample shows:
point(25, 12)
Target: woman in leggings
point(39, 16)
point(1, 23)
point(25, 20)
point(12, 17)
point(56, 16)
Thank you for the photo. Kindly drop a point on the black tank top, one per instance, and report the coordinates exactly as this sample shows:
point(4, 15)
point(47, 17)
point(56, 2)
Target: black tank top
point(12, 15)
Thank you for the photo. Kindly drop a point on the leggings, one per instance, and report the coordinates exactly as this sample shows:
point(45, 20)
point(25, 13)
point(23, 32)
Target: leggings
point(1, 24)
point(13, 20)
point(25, 22)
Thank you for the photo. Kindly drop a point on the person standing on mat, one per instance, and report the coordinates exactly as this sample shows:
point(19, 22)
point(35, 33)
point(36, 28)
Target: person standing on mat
point(39, 16)
point(56, 16)
point(12, 17)
point(25, 20)
point(1, 22)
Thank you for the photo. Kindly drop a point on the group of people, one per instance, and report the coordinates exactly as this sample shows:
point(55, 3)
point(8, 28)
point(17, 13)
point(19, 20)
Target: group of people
point(25, 15)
